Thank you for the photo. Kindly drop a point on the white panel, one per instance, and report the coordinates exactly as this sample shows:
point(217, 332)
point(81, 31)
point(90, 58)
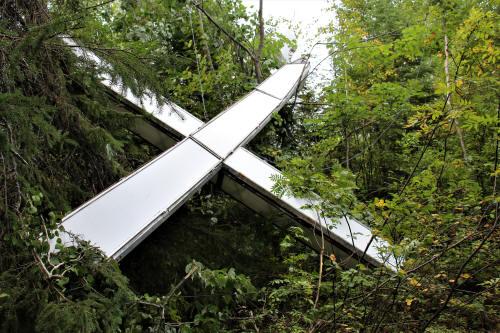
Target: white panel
point(81, 53)
point(237, 124)
point(169, 113)
point(259, 173)
point(280, 83)
point(172, 115)
point(123, 211)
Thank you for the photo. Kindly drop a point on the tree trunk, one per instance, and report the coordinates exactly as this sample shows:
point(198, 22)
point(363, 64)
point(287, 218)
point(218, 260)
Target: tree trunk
point(258, 54)
point(345, 127)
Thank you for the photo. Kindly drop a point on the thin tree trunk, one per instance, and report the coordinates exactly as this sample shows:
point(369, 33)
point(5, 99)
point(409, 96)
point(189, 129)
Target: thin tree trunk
point(258, 54)
point(347, 158)
point(447, 75)
point(320, 269)
point(345, 131)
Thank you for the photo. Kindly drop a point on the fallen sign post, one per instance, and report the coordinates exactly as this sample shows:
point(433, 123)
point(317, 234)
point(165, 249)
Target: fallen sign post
point(122, 216)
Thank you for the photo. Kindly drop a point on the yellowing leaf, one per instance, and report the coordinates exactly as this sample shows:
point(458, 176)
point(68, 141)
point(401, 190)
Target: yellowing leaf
point(491, 49)
point(414, 282)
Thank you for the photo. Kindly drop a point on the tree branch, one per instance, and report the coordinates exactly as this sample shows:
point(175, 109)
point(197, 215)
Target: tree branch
point(225, 32)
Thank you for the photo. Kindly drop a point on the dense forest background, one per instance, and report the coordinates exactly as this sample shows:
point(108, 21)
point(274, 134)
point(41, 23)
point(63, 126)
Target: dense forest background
point(404, 138)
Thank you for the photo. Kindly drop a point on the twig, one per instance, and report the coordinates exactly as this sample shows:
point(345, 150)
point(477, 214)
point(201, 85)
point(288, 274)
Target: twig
point(184, 279)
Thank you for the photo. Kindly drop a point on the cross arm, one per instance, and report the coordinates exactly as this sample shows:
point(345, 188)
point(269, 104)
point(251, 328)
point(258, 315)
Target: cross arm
point(346, 237)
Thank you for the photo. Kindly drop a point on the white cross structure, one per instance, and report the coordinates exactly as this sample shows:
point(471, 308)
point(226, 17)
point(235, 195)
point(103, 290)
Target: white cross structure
point(122, 216)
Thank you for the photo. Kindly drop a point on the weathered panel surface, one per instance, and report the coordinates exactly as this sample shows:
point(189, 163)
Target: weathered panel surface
point(130, 208)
